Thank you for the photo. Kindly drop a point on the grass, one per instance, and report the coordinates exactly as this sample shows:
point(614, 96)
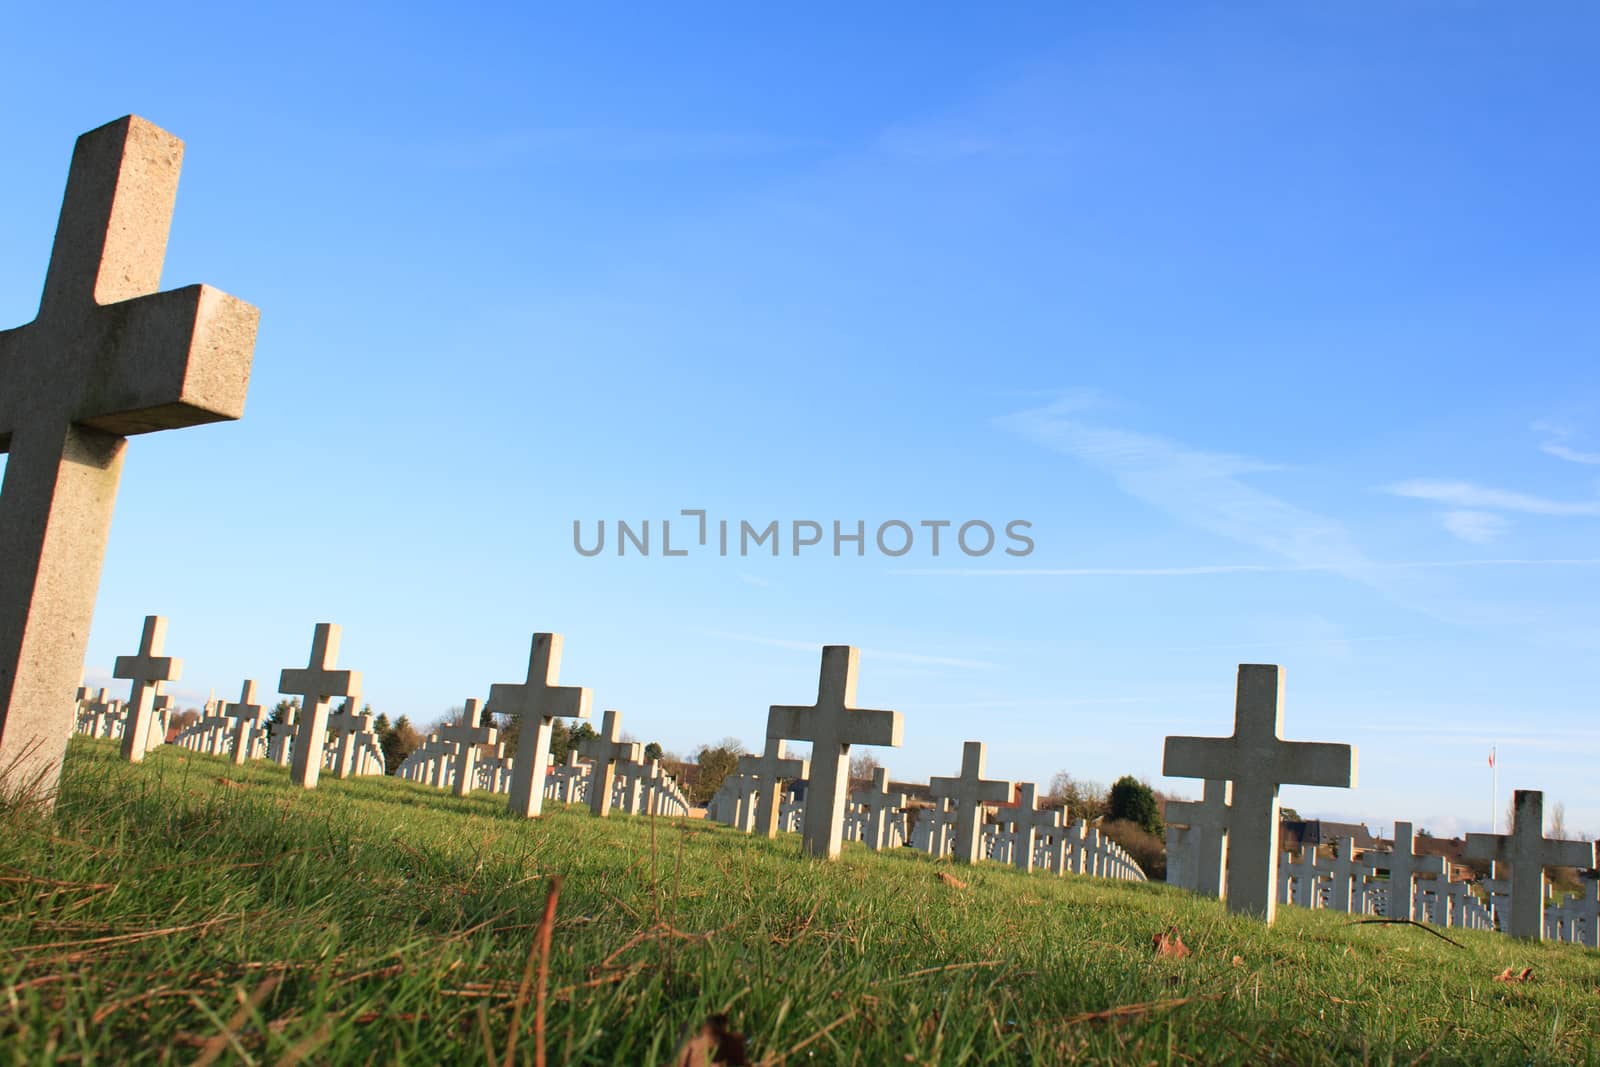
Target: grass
point(188, 911)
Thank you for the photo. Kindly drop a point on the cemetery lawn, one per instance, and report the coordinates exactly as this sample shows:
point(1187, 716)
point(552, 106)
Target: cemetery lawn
point(189, 911)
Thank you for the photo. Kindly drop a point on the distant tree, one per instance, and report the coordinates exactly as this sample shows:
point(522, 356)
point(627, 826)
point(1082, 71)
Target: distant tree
point(185, 719)
point(281, 709)
point(1289, 815)
point(581, 731)
point(397, 742)
point(862, 767)
point(1133, 801)
point(1148, 850)
point(560, 743)
point(1558, 821)
point(380, 725)
point(715, 763)
point(654, 751)
point(1083, 799)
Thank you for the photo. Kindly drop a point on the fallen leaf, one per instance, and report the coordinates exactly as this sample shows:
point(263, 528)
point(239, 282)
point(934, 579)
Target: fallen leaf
point(951, 880)
point(713, 1044)
point(1170, 944)
point(1238, 961)
point(1508, 975)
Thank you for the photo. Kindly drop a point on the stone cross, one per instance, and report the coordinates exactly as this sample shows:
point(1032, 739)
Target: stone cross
point(146, 670)
point(1257, 760)
point(1403, 865)
point(1343, 870)
point(537, 702)
point(604, 751)
point(1529, 852)
point(1207, 820)
point(970, 791)
point(1304, 873)
point(770, 770)
point(214, 726)
point(248, 716)
point(832, 725)
point(347, 724)
point(106, 357)
point(467, 736)
point(1498, 887)
point(280, 734)
point(881, 806)
point(1022, 824)
point(316, 684)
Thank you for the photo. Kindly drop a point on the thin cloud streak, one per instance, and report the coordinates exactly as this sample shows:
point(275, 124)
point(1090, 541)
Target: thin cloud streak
point(1468, 495)
point(875, 653)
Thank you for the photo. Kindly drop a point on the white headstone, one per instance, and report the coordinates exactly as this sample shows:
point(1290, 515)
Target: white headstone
point(1529, 852)
point(537, 702)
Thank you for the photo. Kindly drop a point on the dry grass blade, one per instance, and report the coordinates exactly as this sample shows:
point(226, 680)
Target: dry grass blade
point(1405, 922)
point(1134, 1011)
point(228, 1035)
point(538, 955)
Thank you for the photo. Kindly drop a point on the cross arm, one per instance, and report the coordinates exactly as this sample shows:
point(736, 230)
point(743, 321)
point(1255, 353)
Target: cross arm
point(884, 728)
point(172, 359)
point(1570, 854)
point(1198, 757)
point(1488, 847)
point(304, 681)
point(147, 668)
point(791, 722)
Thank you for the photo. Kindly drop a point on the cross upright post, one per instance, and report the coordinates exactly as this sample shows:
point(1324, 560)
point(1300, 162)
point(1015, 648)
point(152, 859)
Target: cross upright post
point(538, 702)
point(770, 770)
point(146, 670)
point(248, 715)
point(970, 791)
point(316, 684)
point(1529, 852)
point(467, 736)
point(1257, 760)
point(832, 725)
point(604, 751)
point(107, 357)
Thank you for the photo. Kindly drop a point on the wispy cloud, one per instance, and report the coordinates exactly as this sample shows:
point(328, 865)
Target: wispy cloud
point(1556, 436)
point(1203, 489)
point(751, 579)
point(1467, 495)
point(1474, 527)
point(875, 653)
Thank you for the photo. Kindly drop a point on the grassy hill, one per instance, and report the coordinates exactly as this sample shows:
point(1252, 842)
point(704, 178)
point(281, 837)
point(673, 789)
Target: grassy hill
point(186, 911)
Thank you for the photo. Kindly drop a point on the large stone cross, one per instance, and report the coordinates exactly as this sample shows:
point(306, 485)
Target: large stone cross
point(467, 735)
point(881, 805)
point(970, 791)
point(538, 702)
point(247, 714)
point(146, 670)
point(770, 770)
point(107, 357)
point(832, 725)
point(316, 684)
point(1257, 760)
point(1207, 820)
point(604, 751)
point(1529, 852)
point(1403, 863)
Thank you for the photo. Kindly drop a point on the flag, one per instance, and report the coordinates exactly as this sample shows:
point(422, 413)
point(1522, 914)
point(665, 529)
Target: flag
point(1491, 757)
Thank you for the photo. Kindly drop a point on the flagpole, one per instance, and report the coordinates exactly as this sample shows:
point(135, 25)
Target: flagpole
point(1494, 795)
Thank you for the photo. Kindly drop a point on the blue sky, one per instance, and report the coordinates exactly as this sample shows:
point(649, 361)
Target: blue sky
point(1277, 323)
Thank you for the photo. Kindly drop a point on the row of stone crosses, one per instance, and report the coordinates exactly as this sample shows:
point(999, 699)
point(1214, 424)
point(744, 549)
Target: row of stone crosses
point(109, 356)
point(1223, 845)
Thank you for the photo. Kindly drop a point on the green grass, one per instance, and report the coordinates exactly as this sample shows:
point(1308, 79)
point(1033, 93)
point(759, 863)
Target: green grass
point(184, 909)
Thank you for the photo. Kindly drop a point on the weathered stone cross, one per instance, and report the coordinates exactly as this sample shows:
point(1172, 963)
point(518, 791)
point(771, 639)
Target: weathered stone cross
point(248, 715)
point(1257, 760)
point(316, 684)
point(1304, 873)
point(467, 735)
point(280, 736)
point(106, 357)
point(538, 702)
point(1022, 823)
point(881, 806)
point(970, 791)
point(770, 770)
point(1403, 865)
point(604, 751)
point(1529, 852)
point(832, 725)
point(146, 670)
point(1207, 820)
